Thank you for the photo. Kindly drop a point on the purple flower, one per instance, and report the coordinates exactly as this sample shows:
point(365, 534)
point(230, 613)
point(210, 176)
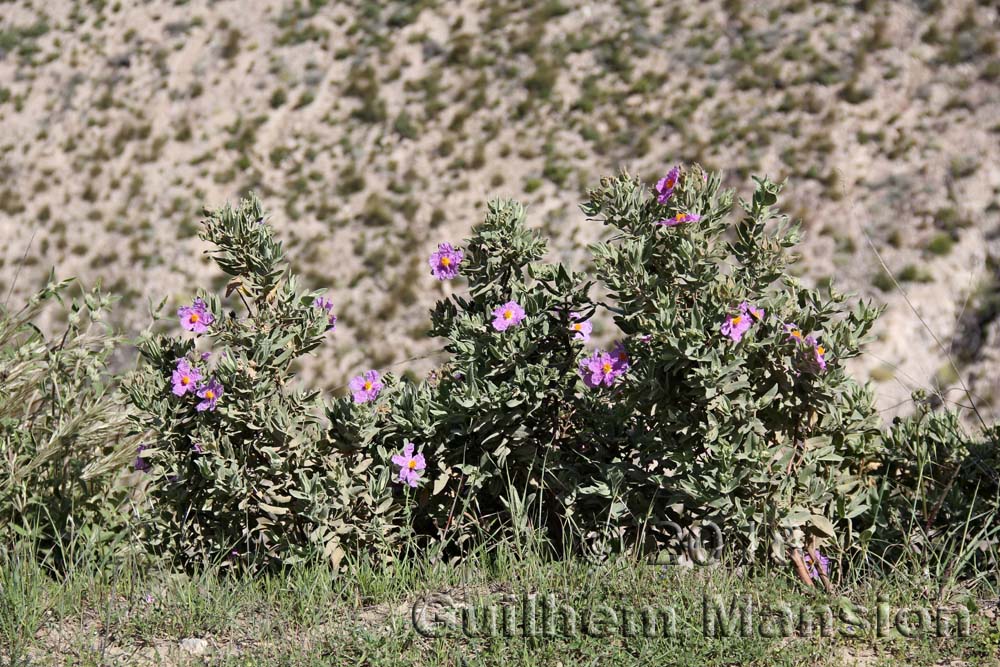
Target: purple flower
point(598, 369)
point(205, 356)
point(824, 565)
point(185, 377)
point(195, 317)
point(755, 312)
point(817, 354)
point(794, 333)
point(210, 393)
point(141, 464)
point(197, 448)
point(735, 326)
point(410, 465)
point(619, 358)
point(820, 356)
point(665, 186)
point(444, 263)
point(679, 218)
point(646, 338)
point(738, 324)
point(581, 328)
point(327, 305)
point(507, 315)
point(366, 387)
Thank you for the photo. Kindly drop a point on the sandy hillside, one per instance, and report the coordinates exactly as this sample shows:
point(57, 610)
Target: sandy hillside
point(373, 131)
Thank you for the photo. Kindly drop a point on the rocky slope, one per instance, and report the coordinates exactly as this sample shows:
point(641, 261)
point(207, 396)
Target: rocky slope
point(376, 130)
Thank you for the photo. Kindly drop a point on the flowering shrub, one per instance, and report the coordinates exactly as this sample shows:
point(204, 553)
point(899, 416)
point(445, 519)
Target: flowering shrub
point(499, 426)
point(734, 415)
point(238, 471)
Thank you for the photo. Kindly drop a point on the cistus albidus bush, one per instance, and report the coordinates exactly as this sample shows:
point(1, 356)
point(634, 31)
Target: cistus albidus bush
point(238, 471)
point(498, 425)
point(740, 410)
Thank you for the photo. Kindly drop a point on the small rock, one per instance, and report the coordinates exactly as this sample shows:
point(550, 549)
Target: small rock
point(194, 645)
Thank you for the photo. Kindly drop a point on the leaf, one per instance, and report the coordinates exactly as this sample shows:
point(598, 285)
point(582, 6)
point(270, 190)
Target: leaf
point(766, 399)
point(439, 484)
point(272, 509)
point(334, 553)
point(823, 524)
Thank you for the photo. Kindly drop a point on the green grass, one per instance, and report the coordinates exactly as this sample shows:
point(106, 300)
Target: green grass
point(310, 615)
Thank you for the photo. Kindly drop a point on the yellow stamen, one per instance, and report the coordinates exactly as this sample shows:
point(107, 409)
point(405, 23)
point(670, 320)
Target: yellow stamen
point(445, 261)
point(368, 385)
point(820, 350)
point(412, 464)
point(210, 394)
point(737, 320)
point(507, 314)
point(796, 333)
point(577, 326)
point(185, 380)
point(195, 317)
point(606, 367)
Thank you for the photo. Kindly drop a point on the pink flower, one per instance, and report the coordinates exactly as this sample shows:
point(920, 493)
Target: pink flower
point(665, 186)
point(679, 219)
point(185, 377)
point(823, 564)
point(794, 333)
point(444, 263)
point(410, 465)
point(817, 355)
point(598, 369)
point(325, 304)
point(619, 357)
point(738, 324)
point(209, 393)
point(366, 387)
point(507, 315)
point(196, 317)
point(735, 326)
point(581, 328)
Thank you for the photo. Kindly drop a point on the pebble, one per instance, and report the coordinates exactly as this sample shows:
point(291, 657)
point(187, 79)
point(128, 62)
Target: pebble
point(194, 645)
